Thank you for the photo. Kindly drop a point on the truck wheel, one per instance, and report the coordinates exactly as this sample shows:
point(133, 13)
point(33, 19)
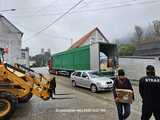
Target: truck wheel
point(25, 99)
point(73, 83)
point(93, 88)
point(7, 105)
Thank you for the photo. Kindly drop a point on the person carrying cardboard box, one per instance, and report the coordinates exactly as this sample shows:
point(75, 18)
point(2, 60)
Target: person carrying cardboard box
point(123, 95)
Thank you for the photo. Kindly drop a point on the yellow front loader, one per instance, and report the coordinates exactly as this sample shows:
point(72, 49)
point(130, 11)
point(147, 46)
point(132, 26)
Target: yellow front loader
point(18, 84)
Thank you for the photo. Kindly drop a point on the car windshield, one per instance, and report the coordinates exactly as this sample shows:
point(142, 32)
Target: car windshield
point(94, 74)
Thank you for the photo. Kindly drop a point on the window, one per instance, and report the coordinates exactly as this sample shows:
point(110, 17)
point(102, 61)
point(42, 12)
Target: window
point(84, 75)
point(78, 74)
point(94, 74)
point(23, 55)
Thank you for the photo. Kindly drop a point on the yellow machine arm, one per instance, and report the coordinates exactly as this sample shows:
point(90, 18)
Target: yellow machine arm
point(26, 82)
point(17, 84)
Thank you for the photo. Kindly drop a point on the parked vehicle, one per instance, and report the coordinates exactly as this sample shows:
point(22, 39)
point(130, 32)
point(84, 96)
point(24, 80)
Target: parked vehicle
point(87, 57)
point(91, 79)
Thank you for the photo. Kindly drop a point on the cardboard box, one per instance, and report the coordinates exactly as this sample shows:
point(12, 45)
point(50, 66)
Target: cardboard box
point(125, 95)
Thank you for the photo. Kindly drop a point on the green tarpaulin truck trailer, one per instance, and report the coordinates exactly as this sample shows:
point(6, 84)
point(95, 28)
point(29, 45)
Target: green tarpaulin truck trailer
point(84, 58)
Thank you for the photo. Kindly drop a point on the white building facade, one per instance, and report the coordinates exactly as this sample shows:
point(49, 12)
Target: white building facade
point(95, 36)
point(10, 37)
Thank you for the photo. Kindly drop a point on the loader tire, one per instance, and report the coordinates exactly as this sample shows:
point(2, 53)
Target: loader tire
point(25, 99)
point(7, 105)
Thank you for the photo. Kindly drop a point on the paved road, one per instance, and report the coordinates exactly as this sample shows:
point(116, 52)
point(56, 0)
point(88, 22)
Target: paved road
point(69, 104)
point(74, 104)
point(105, 96)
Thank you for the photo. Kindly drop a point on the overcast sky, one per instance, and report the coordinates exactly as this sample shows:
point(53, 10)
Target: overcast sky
point(115, 18)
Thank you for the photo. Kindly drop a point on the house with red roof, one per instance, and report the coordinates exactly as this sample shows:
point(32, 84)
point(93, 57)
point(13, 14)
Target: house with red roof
point(93, 36)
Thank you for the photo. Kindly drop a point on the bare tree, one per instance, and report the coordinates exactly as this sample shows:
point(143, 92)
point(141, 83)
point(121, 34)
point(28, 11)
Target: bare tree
point(139, 32)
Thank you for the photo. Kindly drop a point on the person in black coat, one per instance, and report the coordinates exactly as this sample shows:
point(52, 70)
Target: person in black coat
point(149, 88)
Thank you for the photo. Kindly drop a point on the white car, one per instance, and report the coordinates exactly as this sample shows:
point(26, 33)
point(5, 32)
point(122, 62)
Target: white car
point(91, 79)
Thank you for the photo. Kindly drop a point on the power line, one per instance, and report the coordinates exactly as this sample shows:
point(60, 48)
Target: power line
point(106, 1)
point(120, 6)
point(126, 4)
point(56, 20)
point(94, 10)
point(42, 8)
point(62, 10)
point(39, 8)
point(132, 4)
point(46, 34)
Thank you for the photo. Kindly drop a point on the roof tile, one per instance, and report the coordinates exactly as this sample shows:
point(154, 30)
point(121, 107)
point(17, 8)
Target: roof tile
point(85, 38)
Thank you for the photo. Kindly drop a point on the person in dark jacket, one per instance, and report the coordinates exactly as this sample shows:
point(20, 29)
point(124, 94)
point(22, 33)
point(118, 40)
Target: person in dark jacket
point(149, 89)
point(52, 88)
point(121, 82)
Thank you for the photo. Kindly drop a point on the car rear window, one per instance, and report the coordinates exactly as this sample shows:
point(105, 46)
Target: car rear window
point(84, 75)
point(94, 74)
point(78, 74)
